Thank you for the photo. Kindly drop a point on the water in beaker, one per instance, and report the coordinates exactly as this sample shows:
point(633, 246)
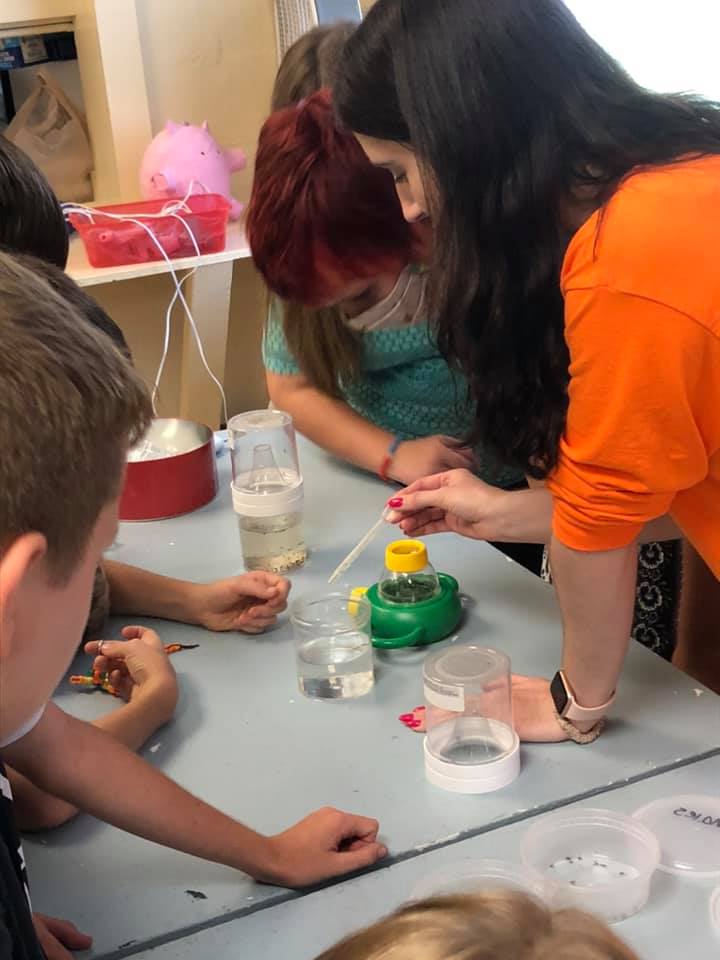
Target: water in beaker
point(333, 647)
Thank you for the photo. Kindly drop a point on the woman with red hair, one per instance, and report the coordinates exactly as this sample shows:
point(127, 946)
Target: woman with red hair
point(350, 353)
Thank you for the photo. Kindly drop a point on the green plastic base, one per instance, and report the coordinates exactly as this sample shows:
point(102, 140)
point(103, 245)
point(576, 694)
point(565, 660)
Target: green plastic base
point(396, 625)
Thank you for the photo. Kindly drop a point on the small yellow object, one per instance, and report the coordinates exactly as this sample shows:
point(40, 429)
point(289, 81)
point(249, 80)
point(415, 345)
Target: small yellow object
point(406, 556)
point(82, 681)
point(355, 594)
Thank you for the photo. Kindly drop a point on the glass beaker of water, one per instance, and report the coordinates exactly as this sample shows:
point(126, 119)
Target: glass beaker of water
point(333, 646)
point(470, 744)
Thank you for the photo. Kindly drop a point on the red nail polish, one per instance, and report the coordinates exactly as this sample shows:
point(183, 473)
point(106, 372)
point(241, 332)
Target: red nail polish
point(418, 709)
point(395, 503)
point(406, 717)
point(414, 724)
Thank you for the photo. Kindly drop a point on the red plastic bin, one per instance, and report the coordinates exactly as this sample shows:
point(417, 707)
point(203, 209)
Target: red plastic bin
point(114, 243)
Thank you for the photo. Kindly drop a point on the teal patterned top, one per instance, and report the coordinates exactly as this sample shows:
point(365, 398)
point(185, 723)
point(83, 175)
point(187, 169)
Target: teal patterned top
point(407, 388)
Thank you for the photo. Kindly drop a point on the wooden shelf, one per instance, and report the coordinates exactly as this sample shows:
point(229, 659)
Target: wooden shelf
point(86, 276)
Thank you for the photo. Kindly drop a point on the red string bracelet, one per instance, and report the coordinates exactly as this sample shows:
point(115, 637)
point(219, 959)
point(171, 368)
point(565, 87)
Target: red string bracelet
point(388, 459)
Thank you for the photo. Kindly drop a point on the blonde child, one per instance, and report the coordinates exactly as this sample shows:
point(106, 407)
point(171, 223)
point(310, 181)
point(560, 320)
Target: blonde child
point(496, 925)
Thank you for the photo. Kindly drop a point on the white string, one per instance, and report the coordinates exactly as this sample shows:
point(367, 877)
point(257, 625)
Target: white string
point(166, 340)
point(170, 209)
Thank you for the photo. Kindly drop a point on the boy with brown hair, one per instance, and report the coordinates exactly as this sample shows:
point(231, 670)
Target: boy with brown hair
point(32, 223)
point(70, 405)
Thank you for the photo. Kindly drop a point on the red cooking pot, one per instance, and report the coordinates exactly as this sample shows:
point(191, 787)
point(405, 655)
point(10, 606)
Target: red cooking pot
point(171, 471)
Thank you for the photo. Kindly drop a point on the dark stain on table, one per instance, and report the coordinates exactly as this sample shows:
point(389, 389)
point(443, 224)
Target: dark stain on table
point(196, 894)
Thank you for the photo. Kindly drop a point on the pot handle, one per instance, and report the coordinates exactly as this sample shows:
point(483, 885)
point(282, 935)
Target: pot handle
point(412, 639)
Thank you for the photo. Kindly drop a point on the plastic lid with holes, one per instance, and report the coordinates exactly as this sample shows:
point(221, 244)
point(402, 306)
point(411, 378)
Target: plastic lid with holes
point(688, 829)
point(715, 910)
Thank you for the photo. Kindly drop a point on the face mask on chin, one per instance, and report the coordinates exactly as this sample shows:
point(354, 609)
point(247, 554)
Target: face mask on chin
point(404, 306)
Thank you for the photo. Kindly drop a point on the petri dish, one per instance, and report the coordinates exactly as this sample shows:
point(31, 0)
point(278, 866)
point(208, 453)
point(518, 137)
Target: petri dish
point(688, 829)
point(596, 860)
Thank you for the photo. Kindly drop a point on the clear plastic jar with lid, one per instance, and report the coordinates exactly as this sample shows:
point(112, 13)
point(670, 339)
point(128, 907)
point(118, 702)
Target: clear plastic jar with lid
point(470, 744)
point(408, 575)
point(267, 490)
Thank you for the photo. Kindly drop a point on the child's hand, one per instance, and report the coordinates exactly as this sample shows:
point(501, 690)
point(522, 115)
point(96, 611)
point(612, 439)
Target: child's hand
point(326, 844)
point(250, 602)
point(138, 668)
point(421, 458)
point(55, 935)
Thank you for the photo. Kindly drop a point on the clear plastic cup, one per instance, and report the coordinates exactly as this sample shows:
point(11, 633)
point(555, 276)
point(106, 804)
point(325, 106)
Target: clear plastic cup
point(596, 860)
point(470, 744)
point(715, 910)
point(267, 490)
point(271, 428)
point(476, 875)
point(333, 646)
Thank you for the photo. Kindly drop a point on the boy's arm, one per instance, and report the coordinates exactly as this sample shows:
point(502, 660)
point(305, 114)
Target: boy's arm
point(138, 592)
point(63, 756)
point(250, 602)
point(131, 725)
point(150, 686)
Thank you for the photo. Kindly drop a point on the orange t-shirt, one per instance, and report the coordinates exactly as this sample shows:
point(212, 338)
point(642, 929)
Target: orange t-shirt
point(641, 282)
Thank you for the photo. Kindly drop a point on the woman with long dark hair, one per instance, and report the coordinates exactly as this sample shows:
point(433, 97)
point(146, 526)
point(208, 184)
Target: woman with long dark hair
point(577, 224)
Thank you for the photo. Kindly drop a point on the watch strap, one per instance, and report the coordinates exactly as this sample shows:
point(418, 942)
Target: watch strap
point(578, 736)
point(572, 710)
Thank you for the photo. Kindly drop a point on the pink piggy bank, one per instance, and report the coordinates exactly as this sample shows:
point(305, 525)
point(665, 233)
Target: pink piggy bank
point(182, 156)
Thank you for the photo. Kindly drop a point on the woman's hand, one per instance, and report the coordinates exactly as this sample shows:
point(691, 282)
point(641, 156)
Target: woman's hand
point(534, 715)
point(455, 501)
point(250, 603)
point(420, 458)
point(139, 669)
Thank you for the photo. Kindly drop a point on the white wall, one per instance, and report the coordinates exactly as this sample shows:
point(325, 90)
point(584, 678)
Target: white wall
point(667, 45)
point(211, 60)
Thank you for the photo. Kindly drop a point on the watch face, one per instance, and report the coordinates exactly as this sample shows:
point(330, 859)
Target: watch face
point(559, 694)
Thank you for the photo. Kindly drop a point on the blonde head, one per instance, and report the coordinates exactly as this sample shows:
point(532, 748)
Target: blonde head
point(497, 925)
point(310, 64)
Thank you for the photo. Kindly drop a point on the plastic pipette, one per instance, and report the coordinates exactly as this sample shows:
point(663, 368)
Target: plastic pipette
point(357, 550)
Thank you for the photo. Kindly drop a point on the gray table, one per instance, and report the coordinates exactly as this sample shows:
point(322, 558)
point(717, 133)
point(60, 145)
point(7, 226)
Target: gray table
point(675, 923)
point(247, 741)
